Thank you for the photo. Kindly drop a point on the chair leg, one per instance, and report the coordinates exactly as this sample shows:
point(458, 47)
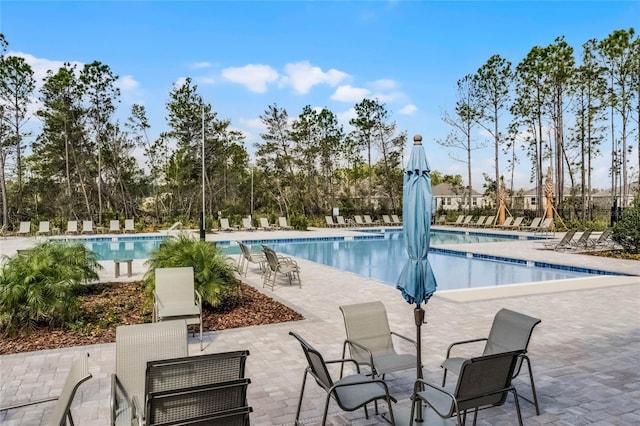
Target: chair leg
point(304, 381)
point(515, 398)
point(533, 386)
point(393, 419)
point(326, 410)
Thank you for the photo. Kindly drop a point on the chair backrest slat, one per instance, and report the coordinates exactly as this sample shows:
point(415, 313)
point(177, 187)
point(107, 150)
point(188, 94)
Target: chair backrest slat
point(316, 363)
point(78, 374)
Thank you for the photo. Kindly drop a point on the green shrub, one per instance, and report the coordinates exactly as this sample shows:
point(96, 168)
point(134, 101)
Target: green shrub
point(299, 222)
point(627, 231)
point(213, 272)
point(41, 285)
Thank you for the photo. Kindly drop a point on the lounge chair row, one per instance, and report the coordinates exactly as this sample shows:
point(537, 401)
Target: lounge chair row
point(247, 225)
point(44, 227)
point(362, 220)
point(584, 242)
point(484, 381)
point(537, 224)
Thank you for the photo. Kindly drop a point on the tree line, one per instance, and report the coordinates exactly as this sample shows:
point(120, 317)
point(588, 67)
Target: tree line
point(81, 164)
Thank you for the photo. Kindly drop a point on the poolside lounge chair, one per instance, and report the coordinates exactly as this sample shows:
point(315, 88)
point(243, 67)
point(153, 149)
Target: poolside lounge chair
point(24, 229)
point(350, 392)
point(490, 222)
point(78, 374)
point(264, 224)
point(275, 265)
point(510, 331)
point(457, 222)
point(517, 223)
point(368, 220)
point(44, 228)
point(565, 242)
point(341, 222)
point(247, 225)
point(483, 382)
point(247, 256)
point(72, 227)
point(545, 226)
point(129, 226)
point(533, 226)
point(135, 345)
point(442, 220)
point(224, 225)
point(506, 224)
point(370, 341)
point(175, 297)
point(87, 227)
point(466, 221)
point(386, 219)
point(282, 223)
point(114, 226)
point(603, 241)
point(330, 222)
point(395, 219)
point(205, 389)
point(478, 222)
point(358, 220)
point(583, 242)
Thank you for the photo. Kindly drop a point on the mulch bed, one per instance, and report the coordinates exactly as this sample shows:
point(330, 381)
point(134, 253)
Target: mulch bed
point(105, 306)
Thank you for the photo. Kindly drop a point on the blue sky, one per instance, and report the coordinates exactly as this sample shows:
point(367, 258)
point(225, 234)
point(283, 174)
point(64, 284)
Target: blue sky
point(247, 55)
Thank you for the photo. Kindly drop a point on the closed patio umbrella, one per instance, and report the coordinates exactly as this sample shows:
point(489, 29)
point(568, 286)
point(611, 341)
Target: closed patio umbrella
point(417, 282)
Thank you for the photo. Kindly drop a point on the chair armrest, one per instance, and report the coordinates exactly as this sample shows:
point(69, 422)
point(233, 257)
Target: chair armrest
point(364, 348)
point(198, 297)
point(137, 413)
point(406, 338)
point(343, 361)
point(462, 342)
point(420, 383)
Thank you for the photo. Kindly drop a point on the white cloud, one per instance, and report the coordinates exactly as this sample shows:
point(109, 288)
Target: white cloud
point(179, 82)
point(384, 84)
point(390, 97)
point(348, 93)
point(253, 77)
point(127, 83)
point(346, 116)
point(253, 123)
point(302, 76)
point(199, 65)
point(408, 109)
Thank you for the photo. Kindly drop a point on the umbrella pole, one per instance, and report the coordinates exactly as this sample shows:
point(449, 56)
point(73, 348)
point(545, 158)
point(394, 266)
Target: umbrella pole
point(418, 314)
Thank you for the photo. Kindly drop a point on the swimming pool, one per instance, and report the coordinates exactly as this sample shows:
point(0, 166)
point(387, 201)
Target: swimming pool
point(110, 248)
point(382, 259)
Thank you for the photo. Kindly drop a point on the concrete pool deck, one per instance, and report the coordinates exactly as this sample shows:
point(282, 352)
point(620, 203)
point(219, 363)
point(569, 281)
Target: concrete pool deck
point(585, 353)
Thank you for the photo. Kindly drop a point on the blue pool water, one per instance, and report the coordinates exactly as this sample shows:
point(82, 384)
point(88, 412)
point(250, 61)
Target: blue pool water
point(383, 259)
point(123, 247)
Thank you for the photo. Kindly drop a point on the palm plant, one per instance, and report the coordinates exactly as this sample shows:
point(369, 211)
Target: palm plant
point(42, 285)
point(213, 273)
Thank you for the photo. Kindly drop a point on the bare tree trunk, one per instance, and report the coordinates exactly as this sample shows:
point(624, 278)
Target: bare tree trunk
point(3, 189)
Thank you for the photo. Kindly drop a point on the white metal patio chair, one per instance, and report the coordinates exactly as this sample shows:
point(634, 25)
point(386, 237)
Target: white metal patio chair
point(72, 227)
point(370, 340)
point(114, 226)
point(44, 228)
point(175, 297)
point(129, 226)
point(135, 345)
point(24, 229)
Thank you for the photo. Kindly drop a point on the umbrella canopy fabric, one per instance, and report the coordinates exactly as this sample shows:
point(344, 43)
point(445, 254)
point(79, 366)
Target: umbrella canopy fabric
point(417, 282)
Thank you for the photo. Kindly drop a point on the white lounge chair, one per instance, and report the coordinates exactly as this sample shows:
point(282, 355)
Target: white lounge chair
point(341, 222)
point(129, 226)
point(368, 220)
point(282, 222)
point(43, 228)
point(72, 227)
point(395, 219)
point(25, 228)
point(114, 226)
point(330, 222)
point(87, 227)
point(247, 225)
point(224, 225)
point(175, 297)
point(264, 224)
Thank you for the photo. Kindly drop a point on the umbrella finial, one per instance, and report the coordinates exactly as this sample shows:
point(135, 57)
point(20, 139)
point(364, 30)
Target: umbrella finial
point(417, 140)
